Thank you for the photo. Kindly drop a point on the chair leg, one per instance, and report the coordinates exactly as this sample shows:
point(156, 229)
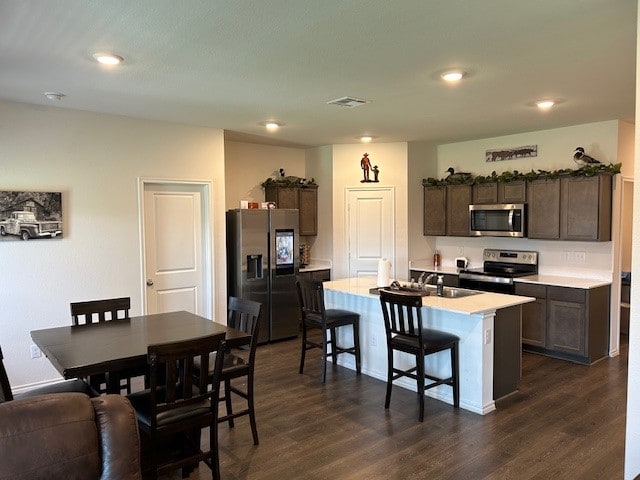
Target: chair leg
point(213, 443)
point(324, 355)
point(455, 375)
point(227, 401)
point(356, 344)
point(334, 347)
point(304, 346)
point(420, 377)
point(252, 411)
point(387, 400)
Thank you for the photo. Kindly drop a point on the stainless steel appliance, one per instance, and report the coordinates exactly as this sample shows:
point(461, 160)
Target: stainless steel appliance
point(499, 269)
point(262, 264)
point(498, 220)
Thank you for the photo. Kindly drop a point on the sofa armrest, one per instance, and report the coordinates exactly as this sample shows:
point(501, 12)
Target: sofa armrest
point(118, 438)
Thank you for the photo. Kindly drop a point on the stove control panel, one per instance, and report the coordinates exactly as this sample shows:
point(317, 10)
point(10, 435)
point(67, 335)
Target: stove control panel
point(510, 256)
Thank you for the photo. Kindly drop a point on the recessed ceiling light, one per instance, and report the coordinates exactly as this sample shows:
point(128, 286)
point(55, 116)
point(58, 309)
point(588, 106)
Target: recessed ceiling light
point(108, 58)
point(366, 138)
point(545, 104)
point(452, 76)
point(54, 95)
point(271, 125)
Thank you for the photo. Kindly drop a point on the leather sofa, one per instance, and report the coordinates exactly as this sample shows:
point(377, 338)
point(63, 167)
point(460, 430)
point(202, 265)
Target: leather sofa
point(69, 436)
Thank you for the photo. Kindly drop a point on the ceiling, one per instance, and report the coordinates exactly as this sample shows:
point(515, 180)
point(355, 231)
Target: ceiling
point(232, 64)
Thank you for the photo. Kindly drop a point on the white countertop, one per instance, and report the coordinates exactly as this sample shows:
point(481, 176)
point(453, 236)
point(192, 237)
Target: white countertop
point(473, 304)
point(560, 281)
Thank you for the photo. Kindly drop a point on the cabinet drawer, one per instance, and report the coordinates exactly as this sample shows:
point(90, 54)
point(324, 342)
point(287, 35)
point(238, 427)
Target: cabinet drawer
point(531, 290)
point(565, 294)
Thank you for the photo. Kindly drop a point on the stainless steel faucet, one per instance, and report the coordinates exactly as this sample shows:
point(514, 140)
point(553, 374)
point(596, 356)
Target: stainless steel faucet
point(425, 281)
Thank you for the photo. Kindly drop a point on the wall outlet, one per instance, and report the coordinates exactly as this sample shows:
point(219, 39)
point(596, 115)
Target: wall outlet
point(460, 251)
point(581, 257)
point(487, 336)
point(35, 351)
point(374, 340)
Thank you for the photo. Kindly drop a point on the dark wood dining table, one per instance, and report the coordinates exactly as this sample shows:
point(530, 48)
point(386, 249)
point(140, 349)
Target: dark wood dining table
point(118, 345)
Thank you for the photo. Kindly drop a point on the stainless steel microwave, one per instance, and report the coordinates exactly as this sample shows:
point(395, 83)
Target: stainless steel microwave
point(498, 220)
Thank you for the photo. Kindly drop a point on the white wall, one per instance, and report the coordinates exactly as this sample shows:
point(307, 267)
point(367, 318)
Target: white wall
point(423, 163)
point(391, 159)
point(555, 151)
point(95, 161)
point(319, 166)
point(247, 165)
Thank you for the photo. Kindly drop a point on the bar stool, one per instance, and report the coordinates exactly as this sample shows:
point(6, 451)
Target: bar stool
point(314, 315)
point(405, 333)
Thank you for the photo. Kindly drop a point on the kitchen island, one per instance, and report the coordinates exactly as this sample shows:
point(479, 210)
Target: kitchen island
point(488, 324)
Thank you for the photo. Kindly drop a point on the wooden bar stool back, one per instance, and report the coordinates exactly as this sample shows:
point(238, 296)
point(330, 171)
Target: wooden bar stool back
point(314, 315)
point(405, 332)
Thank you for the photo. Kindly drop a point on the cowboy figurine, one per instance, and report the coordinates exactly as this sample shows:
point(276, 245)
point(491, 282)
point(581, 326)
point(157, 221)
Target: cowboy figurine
point(376, 171)
point(365, 165)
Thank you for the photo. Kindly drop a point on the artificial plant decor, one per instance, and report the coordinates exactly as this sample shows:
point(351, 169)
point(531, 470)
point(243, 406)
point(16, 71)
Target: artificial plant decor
point(510, 176)
point(289, 181)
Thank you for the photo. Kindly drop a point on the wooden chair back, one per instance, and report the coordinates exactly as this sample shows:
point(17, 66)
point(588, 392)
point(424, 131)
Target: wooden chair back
point(98, 311)
point(311, 298)
point(174, 381)
point(244, 315)
point(5, 387)
point(402, 314)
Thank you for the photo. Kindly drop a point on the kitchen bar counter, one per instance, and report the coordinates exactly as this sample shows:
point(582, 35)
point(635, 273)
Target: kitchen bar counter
point(488, 325)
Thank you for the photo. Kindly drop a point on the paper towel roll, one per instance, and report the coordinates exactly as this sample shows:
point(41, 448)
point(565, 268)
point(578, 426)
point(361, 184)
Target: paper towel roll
point(384, 270)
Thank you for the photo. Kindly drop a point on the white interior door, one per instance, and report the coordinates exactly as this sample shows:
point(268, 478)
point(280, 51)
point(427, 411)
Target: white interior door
point(371, 227)
point(174, 248)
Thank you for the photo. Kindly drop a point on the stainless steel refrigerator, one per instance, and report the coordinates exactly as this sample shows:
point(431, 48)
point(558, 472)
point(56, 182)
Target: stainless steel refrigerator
point(262, 264)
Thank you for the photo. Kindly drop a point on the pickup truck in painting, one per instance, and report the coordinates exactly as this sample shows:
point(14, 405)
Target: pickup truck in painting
point(26, 226)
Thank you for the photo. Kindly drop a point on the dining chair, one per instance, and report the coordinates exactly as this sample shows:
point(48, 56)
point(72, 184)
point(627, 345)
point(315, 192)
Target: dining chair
point(95, 312)
point(314, 315)
point(405, 332)
point(243, 315)
point(75, 385)
point(177, 407)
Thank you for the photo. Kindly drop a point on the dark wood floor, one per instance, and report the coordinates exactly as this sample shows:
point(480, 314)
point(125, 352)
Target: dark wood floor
point(567, 422)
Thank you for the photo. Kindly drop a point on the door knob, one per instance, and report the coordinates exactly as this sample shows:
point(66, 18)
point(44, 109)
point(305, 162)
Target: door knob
point(149, 282)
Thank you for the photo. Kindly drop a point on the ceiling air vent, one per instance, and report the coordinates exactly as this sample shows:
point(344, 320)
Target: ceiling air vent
point(348, 102)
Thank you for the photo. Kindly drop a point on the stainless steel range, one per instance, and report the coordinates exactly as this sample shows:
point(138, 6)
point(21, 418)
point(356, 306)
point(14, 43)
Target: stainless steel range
point(499, 270)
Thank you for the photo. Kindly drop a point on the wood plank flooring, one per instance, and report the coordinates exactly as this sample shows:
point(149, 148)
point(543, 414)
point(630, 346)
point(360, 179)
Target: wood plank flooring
point(566, 422)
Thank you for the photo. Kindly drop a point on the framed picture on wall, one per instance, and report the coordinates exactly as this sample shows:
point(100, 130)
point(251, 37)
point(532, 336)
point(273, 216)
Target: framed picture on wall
point(511, 153)
point(30, 215)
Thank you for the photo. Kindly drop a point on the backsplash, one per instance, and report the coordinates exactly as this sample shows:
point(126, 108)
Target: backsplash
point(582, 259)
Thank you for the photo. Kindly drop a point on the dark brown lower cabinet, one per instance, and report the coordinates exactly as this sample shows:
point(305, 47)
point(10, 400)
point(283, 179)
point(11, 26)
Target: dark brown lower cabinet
point(324, 275)
point(567, 323)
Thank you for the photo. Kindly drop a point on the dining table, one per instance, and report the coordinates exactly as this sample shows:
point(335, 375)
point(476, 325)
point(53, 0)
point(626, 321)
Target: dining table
point(121, 345)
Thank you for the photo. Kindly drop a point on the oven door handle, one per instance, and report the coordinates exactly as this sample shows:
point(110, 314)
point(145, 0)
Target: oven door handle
point(485, 278)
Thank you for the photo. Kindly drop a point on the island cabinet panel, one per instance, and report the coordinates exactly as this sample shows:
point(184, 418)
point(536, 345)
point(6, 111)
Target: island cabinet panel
point(544, 208)
point(458, 201)
point(484, 193)
point(576, 323)
point(534, 314)
point(305, 199)
point(507, 351)
point(512, 192)
point(586, 208)
point(435, 211)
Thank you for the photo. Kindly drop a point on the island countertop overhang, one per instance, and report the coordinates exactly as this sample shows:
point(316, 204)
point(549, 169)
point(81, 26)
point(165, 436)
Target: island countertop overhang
point(483, 302)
